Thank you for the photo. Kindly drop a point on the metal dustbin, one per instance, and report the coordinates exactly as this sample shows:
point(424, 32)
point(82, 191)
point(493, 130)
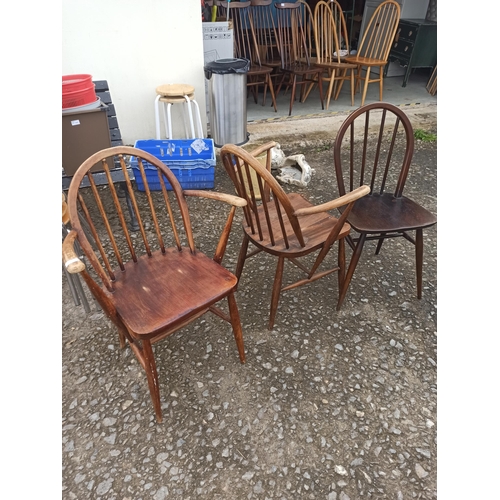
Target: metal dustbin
point(227, 94)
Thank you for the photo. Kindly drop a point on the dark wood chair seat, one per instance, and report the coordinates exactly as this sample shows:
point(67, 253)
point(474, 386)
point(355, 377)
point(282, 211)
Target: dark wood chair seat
point(385, 213)
point(160, 292)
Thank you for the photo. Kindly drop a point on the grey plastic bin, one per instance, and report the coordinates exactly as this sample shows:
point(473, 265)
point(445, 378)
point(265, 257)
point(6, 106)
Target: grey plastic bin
point(227, 94)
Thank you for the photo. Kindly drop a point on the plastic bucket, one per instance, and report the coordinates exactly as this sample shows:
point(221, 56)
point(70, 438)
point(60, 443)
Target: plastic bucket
point(72, 83)
point(79, 97)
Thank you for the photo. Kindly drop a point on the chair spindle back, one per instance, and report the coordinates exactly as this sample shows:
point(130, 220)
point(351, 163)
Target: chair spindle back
point(239, 165)
point(379, 34)
point(291, 34)
point(100, 220)
point(361, 161)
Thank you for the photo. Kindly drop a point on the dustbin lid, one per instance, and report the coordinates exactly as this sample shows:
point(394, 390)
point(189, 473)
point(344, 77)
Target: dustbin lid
point(226, 66)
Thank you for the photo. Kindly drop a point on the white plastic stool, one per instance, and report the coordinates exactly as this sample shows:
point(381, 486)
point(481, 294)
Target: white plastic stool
point(172, 94)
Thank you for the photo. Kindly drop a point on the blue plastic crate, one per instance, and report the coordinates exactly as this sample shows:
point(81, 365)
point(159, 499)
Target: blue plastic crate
point(192, 161)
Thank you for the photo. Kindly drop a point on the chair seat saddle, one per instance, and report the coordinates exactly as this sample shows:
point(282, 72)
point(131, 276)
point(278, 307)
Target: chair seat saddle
point(389, 214)
point(316, 228)
point(153, 278)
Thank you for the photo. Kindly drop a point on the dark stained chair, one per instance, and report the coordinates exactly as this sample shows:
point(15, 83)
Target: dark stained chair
point(285, 225)
point(364, 153)
point(245, 46)
point(297, 68)
point(265, 33)
point(154, 282)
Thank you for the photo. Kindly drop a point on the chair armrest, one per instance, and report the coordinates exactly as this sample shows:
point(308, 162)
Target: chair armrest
point(71, 261)
point(227, 198)
point(338, 202)
point(235, 201)
point(261, 149)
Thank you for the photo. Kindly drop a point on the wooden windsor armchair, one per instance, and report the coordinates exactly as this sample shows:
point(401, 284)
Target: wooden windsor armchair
point(286, 226)
point(156, 282)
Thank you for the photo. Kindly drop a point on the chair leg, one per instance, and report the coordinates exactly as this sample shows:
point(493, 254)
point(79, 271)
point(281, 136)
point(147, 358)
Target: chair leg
point(351, 269)
point(292, 97)
point(330, 88)
point(271, 91)
point(419, 250)
point(309, 89)
point(381, 83)
point(352, 87)
point(340, 84)
point(358, 78)
point(157, 117)
point(320, 85)
point(242, 257)
point(276, 290)
point(253, 89)
point(264, 93)
point(365, 88)
point(168, 120)
point(379, 244)
point(152, 375)
point(236, 324)
point(341, 263)
point(351, 242)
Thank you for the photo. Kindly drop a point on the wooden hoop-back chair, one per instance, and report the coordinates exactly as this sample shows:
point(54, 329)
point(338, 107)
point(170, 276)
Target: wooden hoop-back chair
point(308, 24)
point(245, 42)
point(359, 160)
point(158, 282)
point(375, 45)
point(296, 66)
point(329, 32)
point(266, 39)
point(285, 225)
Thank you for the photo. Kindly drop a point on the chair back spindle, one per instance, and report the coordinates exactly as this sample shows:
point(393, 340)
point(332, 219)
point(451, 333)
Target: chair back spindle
point(374, 162)
point(104, 215)
point(257, 212)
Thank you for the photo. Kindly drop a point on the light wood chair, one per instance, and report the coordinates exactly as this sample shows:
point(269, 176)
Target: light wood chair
point(375, 45)
point(330, 33)
point(385, 213)
point(152, 285)
point(286, 226)
point(431, 86)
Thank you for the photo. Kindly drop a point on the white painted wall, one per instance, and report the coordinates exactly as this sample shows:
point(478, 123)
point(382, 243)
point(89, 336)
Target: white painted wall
point(136, 45)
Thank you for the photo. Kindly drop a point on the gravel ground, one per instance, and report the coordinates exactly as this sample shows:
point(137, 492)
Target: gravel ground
point(330, 405)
